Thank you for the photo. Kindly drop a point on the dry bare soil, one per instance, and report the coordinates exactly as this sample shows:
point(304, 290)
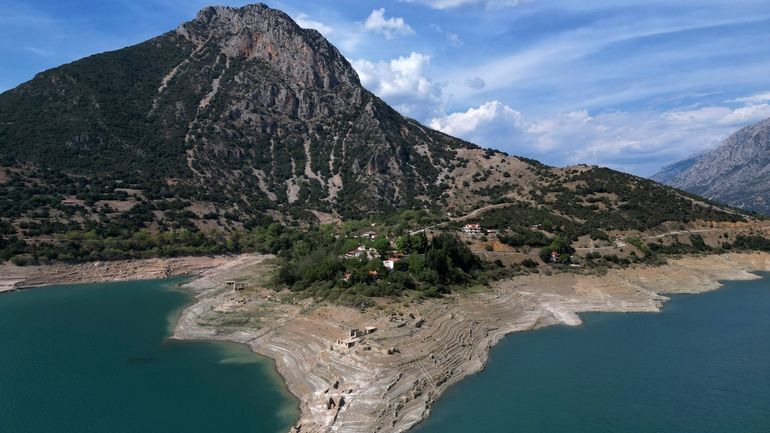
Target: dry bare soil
point(389, 379)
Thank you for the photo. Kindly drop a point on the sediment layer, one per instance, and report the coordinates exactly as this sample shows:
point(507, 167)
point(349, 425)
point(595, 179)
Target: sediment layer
point(14, 277)
point(388, 379)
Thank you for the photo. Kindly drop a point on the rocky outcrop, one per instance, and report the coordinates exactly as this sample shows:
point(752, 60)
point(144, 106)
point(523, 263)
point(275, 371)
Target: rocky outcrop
point(736, 173)
point(256, 32)
point(233, 92)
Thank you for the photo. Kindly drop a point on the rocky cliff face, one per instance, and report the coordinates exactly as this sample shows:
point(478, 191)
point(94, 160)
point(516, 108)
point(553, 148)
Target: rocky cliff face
point(239, 103)
point(736, 173)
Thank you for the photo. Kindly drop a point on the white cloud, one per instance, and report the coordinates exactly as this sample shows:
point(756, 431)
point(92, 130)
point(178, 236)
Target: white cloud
point(747, 115)
point(449, 4)
point(454, 39)
point(477, 83)
point(389, 27)
point(397, 77)
point(305, 22)
point(624, 79)
point(754, 99)
point(472, 122)
point(720, 115)
point(639, 142)
point(403, 83)
point(38, 51)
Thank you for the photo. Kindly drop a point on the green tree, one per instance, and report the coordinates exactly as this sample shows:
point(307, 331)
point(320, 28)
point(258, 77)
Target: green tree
point(382, 245)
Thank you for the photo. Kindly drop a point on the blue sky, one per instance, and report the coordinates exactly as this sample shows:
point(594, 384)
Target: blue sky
point(633, 85)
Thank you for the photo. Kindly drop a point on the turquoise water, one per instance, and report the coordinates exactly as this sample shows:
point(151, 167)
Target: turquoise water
point(700, 366)
point(95, 358)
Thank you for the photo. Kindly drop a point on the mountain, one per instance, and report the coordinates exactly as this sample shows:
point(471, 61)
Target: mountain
point(239, 118)
point(736, 173)
point(238, 103)
point(671, 172)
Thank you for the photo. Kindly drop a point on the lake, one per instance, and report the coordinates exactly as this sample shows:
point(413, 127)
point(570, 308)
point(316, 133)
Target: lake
point(700, 366)
point(96, 358)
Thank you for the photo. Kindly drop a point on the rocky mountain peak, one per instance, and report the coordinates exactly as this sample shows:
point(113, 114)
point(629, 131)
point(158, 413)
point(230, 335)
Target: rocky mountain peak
point(239, 118)
point(258, 32)
point(737, 172)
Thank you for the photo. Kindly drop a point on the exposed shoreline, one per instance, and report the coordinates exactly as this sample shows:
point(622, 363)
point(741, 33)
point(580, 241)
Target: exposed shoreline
point(384, 392)
point(14, 277)
point(392, 392)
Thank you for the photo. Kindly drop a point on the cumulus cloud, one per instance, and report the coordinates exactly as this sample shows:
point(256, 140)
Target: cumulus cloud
point(476, 121)
point(391, 27)
point(454, 39)
point(754, 99)
point(638, 142)
point(402, 82)
point(305, 22)
point(449, 4)
point(397, 77)
point(475, 83)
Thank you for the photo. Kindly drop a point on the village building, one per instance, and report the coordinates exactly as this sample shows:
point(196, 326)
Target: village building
point(231, 284)
point(369, 235)
point(347, 343)
point(355, 336)
point(362, 252)
point(390, 263)
point(472, 229)
point(554, 256)
point(72, 202)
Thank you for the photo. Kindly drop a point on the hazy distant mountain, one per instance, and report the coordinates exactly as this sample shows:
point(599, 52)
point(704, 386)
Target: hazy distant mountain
point(736, 173)
point(670, 172)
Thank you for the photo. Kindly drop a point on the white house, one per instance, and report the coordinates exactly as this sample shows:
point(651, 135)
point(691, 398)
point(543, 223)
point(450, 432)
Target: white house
point(472, 229)
point(361, 252)
point(391, 263)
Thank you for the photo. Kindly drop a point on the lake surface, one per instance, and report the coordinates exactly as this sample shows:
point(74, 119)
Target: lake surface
point(700, 366)
point(96, 358)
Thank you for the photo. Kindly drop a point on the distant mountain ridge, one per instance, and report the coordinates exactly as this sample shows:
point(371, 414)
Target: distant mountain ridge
point(671, 172)
point(736, 173)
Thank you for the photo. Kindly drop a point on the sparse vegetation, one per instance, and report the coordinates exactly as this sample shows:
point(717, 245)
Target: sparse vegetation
point(97, 163)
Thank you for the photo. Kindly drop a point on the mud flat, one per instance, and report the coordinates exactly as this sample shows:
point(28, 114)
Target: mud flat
point(386, 378)
point(14, 277)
